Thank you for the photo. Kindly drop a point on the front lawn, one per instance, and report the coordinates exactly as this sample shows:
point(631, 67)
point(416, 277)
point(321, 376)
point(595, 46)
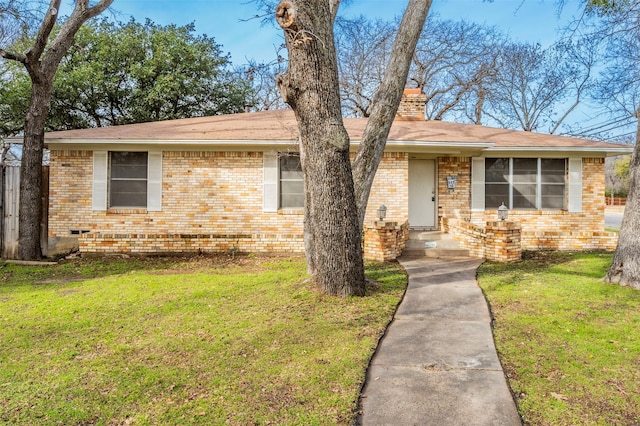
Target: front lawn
point(175, 341)
point(569, 342)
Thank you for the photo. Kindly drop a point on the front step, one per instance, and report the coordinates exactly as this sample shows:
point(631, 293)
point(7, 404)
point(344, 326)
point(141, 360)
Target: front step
point(435, 252)
point(433, 244)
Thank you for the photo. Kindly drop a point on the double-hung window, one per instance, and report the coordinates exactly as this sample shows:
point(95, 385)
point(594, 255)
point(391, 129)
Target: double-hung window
point(283, 187)
point(525, 183)
point(128, 179)
point(291, 183)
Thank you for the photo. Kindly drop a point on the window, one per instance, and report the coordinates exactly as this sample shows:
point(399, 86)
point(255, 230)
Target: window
point(552, 183)
point(128, 179)
point(290, 180)
point(525, 183)
point(496, 178)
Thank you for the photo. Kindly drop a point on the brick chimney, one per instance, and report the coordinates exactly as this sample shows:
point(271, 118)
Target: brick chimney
point(412, 104)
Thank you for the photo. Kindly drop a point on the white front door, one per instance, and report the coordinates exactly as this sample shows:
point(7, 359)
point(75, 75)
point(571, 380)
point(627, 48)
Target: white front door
point(422, 193)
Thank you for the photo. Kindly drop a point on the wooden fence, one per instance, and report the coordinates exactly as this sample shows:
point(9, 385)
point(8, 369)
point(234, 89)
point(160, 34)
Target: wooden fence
point(9, 207)
point(615, 201)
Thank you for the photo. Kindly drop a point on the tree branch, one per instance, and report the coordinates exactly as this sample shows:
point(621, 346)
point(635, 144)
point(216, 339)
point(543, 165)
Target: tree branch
point(60, 45)
point(13, 56)
point(386, 102)
point(49, 21)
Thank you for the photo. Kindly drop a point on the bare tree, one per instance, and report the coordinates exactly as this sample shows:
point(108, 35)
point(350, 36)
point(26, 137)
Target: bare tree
point(41, 61)
point(454, 62)
point(263, 80)
point(620, 86)
point(533, 83)
point(364, 48)
point(310, 86)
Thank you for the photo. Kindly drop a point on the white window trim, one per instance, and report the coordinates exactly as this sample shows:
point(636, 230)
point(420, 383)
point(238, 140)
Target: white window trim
point(575, 185)
point(100, 177)
point(271, 183)
point(477, 184)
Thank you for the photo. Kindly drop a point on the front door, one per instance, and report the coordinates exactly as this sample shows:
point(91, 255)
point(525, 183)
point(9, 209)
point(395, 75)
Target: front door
point(422, 194)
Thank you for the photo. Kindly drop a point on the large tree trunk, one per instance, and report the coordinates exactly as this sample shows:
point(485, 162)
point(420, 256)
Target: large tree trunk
point(625, 268)
point(30, 214)
point(386, 101)
point(310, 87)
point(41, 61)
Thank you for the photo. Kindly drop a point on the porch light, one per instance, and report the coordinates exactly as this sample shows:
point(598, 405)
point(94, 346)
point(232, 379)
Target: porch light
point(503, 212)
point(382, 212)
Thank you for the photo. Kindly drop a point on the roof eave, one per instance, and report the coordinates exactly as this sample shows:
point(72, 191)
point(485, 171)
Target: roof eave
point(598, 151)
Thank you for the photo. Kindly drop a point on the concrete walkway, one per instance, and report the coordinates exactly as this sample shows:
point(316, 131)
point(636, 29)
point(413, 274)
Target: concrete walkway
point(437, 364)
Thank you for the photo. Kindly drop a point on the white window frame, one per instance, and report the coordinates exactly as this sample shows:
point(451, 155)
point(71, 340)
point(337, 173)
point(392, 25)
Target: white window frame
point(140, 198)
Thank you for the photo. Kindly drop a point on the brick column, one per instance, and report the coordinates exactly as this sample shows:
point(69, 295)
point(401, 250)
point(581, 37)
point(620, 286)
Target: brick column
point(502, 241)
point(384, 241)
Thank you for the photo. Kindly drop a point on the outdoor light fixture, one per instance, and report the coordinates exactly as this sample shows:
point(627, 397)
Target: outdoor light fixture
point(503, 212)
point(382, 212)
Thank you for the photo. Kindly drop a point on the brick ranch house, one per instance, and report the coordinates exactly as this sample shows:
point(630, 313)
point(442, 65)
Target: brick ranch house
point(233, 182)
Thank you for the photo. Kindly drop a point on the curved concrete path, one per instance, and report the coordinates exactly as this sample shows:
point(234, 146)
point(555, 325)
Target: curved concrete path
point(437, 363)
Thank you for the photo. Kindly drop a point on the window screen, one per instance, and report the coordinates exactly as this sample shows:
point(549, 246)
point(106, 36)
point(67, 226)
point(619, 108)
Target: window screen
point(128, 179)
point(525, 183)
point(553, 175)
point(291, 183)
point(525, 178)
point(496, 177)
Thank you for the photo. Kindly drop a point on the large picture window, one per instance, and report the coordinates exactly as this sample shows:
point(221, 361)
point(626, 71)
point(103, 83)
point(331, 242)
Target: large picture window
point(128, 179)
point(525, 183)
point(291, 183)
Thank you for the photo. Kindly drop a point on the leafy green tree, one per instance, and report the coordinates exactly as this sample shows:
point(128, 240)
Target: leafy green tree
point(129, 73)
point(621, 170)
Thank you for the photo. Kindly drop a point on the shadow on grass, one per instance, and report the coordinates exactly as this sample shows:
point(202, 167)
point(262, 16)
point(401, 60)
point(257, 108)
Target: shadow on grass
point(555, 262)
point(78, 270)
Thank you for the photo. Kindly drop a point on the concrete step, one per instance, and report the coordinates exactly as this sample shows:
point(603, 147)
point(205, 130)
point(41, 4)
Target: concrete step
point(433, 244)
point(435, 252)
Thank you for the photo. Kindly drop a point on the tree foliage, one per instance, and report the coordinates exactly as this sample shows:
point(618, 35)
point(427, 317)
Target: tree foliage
point(128, 73)
point(617, 175)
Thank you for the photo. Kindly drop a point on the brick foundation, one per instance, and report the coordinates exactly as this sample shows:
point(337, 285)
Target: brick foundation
point(187, 243)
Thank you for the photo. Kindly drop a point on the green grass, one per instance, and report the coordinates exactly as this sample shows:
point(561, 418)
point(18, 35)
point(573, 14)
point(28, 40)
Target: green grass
point(175, 341)
point(569, 342)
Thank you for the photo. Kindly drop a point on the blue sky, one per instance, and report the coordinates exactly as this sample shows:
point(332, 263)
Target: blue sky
point(228, 21)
